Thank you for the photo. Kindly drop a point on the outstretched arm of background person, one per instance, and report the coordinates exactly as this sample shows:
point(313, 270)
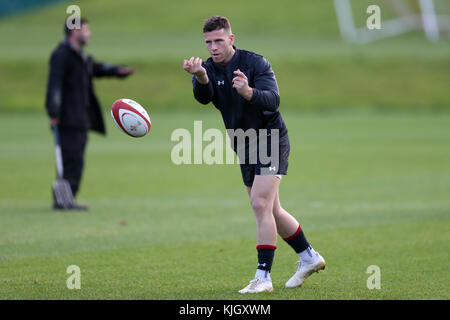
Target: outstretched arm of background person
point(109, 70)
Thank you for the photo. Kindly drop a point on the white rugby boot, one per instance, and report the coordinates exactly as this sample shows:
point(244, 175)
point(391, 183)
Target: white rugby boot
point(258, 285)
point(304, 270)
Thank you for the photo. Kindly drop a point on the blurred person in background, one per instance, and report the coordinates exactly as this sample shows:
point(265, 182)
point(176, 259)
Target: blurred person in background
point(71, 102)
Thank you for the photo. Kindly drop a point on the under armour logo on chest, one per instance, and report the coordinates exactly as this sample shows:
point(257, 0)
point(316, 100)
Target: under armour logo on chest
point(220, 82)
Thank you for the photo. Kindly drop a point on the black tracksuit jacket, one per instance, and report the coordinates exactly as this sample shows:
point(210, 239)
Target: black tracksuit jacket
point(261, 112)
point(70, 92)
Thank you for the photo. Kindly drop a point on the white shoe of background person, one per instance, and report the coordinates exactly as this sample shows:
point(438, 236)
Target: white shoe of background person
point(305, 269)
point(258, 285)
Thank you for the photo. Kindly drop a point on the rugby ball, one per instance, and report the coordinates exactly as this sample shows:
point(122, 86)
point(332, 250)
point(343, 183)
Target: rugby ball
point(131, 117)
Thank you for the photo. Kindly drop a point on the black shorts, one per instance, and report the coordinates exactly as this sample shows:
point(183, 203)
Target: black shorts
point(250, 170)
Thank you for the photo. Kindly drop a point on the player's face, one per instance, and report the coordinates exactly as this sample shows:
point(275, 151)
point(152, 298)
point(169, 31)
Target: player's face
point(84, 34)
point(220, 45)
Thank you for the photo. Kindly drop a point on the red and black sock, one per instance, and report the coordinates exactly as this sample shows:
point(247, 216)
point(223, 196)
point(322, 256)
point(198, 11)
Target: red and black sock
point(298, 240)
point(265, 257)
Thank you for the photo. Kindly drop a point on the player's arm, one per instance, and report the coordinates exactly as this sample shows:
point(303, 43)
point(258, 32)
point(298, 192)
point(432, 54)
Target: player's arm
point(265, 91)
point(55, 85)
point(100, 69)
point(203, 90)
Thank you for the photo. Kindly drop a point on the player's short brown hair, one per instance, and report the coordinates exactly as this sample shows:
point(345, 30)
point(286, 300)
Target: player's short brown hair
point(216, 23)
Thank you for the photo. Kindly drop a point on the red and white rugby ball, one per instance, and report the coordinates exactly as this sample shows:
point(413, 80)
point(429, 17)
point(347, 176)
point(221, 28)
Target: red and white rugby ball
point(131, 117)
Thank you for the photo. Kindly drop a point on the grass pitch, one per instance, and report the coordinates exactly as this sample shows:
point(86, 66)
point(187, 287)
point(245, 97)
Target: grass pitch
point(368, 190)
point(368, 187)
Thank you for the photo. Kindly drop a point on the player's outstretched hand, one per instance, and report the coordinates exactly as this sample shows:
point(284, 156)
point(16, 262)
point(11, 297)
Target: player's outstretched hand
point(194, 66)
point(126, 71)
point(240, 82)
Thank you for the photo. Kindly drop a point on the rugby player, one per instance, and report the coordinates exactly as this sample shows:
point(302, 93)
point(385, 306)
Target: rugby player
point(242, 86)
